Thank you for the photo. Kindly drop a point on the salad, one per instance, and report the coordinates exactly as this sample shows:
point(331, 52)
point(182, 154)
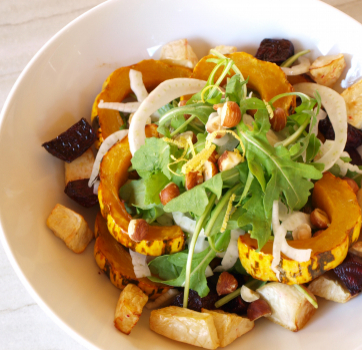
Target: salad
point(230, 191)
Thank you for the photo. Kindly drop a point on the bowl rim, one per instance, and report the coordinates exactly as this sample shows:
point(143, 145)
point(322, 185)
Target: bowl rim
point(3, 113)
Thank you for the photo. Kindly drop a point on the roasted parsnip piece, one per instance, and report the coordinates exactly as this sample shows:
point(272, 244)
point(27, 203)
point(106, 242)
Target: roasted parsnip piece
point(229, 326)
point(129, 308)
point(186, 326)
point(290, 308)
point(70, 227)
point(80, 168)
point(329, 287)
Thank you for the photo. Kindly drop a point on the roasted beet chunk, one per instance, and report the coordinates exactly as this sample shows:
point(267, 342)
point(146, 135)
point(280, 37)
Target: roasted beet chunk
point(195, 302)
point(275, 50)
point(350, 273)
point(236, 306)
point(354, 135)
point(72, 143)
point(80, 192)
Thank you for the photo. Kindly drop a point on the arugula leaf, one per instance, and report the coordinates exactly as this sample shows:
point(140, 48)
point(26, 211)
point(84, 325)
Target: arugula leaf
point(152, 214)
point(173, 267)
point(153, 156)
point(313, 148)
point(178, 121)
point(346, 159)
point(234, 88)
point(154, 185)
point(167, 107)
point(255, 215)
point(284, 175)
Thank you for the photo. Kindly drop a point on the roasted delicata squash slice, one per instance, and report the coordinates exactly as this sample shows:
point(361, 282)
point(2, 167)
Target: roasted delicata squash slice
point(117, 87)
point(116, 262)
point(113, 174)
point(266, 78)
point(334, 196)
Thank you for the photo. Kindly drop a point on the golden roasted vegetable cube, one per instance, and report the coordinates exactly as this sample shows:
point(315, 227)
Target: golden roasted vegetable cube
point(353, 99)
point(80, 168)
point(129, 308)
point(326, 70)
point(185, 326)
point(329, 287)
point(179, 53)
point(229, 326)
point(70, 227)
point(290, 308)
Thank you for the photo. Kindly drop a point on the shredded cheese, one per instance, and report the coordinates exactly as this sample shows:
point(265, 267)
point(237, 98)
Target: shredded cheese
point(198, 161)
point(227, 214)
point(181, 143)
point(269, 109)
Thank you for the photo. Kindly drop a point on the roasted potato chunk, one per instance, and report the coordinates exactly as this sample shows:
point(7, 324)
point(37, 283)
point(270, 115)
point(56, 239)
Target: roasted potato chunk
point(179, 53)
point(185, 326)
point(353, 99)
point(70, 227)
point(129, 308)
point(290, 308)
point(326, 70)
point(80, 168)
point(329, 287)
point(229, 326)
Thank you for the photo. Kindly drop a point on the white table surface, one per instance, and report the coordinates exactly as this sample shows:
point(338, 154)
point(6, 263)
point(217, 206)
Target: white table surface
point(25, 26)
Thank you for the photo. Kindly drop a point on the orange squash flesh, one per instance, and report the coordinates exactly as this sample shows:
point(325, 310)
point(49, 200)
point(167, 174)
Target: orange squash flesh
point(337, 199)
point(116, 262)
point(266, 78)
point(117, 87)
point(113, 174)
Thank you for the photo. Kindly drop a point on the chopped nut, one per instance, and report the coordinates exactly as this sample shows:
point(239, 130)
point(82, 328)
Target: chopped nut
point(214, 157)
point(193, 178)
point(230, 114)
point(226, 284)
point(352, 183)
point(249, 295)
point(319, 219)
point(303, 231)
point(229, 160)
point(137, 229)
point(170, 192)
point(258, 308)
point(210, 170)
point(279, 120)
point(214, 124)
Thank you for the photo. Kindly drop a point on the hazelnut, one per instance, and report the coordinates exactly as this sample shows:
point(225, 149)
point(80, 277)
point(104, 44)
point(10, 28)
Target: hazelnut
point(257, 309)
point(170, 192)
point(230, 114)
point(248, 295)
point(319, 219)
point(214, 157)
point(193, 178)
point(303, 231)
point(210, 170)
point(226, 283)
point(137, 229)
point(352, 184)
point(214, 124)
point(279, 120)
point(229, 160)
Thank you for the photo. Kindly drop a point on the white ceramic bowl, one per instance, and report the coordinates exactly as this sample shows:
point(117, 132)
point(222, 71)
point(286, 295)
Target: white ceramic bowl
point(58, 87)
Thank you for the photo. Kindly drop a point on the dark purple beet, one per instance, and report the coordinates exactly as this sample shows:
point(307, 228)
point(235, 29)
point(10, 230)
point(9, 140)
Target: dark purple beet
point(73, 142)
point(350, 273)
point(80, 192)
point(275, 50)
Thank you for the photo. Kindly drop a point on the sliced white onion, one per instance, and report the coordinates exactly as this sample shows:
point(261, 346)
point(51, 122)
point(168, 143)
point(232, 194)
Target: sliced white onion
point(163, 300)
point(344, 167)
point(161, 95)
point(335, 106)
point(129, 107)
point(188, 225)
point(232, 253)
point(208, 271)
point(95, 187)
point(280, 244)
point(137, 85)
point(295, 219)
point(140, 265)
point(321, 115)
point(301, 68)
point(106, 145)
